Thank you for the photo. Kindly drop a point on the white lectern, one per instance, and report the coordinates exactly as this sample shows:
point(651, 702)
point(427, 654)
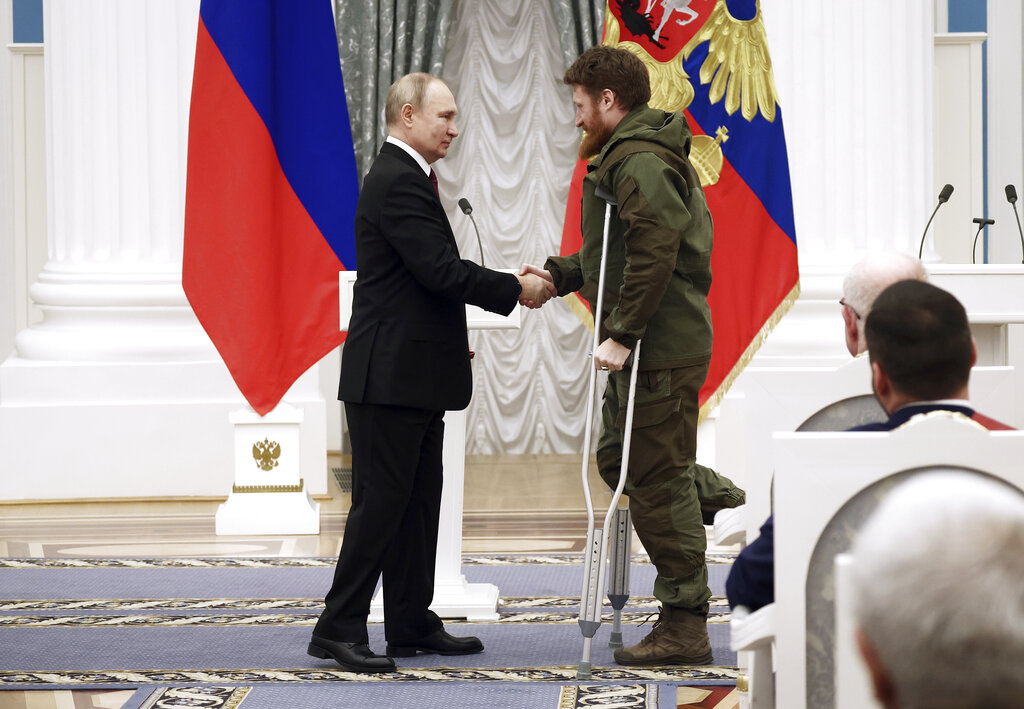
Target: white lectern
point(454, 597)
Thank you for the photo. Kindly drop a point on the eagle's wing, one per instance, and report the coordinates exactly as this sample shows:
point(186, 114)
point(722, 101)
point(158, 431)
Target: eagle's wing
point(738, 66)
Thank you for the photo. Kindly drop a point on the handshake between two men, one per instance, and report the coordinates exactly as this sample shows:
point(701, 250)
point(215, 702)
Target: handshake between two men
point(537, 284)
point(395, 414)
point(539, 287)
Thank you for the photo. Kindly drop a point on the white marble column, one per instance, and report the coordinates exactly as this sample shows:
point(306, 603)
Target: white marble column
point(118, 77)
point(118, 392)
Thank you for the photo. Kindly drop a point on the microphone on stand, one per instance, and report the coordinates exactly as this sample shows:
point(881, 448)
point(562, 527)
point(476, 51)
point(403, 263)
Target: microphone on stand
point(468, 211)
point(982, 223)
point(947, 190)
point(1011, 197)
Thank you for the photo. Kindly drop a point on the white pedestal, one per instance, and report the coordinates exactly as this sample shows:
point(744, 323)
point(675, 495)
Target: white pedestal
point(269, 495)
point(269, 513)
point(454, 597)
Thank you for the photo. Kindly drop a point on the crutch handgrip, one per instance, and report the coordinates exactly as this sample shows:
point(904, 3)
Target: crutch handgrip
point(607, 195)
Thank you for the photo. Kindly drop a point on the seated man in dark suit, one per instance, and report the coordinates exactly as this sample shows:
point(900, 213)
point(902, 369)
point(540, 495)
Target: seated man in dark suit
point(921, 351)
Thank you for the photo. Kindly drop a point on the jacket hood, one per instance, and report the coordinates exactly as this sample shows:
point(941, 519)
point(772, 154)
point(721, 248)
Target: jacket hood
point(653, 125)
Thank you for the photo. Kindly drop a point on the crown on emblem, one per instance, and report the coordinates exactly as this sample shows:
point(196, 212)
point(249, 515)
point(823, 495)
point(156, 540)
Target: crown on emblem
point(706, 156)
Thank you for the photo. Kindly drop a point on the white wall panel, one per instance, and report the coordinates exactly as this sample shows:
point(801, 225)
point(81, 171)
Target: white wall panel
point(959, 153)
point(1005, 126)
point(855, 83)
point(28, 211)
point(7, 259)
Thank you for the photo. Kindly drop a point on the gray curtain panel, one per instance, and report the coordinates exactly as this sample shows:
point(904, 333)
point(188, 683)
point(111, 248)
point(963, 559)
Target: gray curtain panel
point(380, 41)
point(579, 23)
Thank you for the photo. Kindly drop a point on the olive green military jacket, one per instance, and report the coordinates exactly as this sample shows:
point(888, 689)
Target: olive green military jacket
point(659, 243)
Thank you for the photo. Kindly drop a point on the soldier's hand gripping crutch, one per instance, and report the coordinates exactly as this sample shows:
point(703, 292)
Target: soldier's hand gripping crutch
point(592, 594)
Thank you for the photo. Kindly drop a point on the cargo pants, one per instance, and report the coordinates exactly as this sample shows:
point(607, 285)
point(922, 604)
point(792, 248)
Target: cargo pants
point(661, 480)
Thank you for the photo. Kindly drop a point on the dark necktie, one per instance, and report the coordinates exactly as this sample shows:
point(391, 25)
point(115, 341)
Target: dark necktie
point(433, 181)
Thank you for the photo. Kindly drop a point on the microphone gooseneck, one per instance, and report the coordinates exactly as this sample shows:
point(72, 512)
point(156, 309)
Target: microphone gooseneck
point(982, 223)
point(467, 209)
point(1011, 197)
point(944, 194)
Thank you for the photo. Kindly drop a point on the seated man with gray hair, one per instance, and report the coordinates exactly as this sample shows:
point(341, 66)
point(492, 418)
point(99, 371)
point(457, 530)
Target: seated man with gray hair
point(921, 349)
point(940, 614)
point(869, 277)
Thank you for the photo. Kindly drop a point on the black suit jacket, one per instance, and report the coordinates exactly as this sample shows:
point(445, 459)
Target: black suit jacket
point(407, 343)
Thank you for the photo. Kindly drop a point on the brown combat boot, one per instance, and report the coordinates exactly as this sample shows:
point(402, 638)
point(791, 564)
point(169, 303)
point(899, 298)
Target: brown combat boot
point(679, 637)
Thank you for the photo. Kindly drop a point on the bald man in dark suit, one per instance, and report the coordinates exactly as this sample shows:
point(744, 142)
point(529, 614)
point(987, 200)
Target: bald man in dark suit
point(405, 362)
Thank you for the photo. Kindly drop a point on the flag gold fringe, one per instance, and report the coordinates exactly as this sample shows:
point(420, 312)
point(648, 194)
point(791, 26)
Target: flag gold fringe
point(716, 398)
point(580, 310)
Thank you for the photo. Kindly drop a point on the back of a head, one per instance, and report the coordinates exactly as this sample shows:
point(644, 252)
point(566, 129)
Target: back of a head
point(600, 68)
point(936, 585)
point(920, 337)
point(876, 272)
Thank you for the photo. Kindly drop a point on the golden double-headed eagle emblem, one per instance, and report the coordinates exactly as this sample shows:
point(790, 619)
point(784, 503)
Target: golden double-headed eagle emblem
point(663, 33)
point(266, 453)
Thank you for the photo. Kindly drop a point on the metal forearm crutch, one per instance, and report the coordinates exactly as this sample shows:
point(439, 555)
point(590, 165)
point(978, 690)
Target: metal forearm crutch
point(594, 555)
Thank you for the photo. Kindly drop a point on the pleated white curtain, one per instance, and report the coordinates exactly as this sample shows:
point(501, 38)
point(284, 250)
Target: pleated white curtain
point(513, 161)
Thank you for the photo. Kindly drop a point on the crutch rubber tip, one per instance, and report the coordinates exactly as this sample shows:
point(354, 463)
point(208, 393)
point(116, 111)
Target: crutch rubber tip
point(618, 600)
point(583, 672)
point(615, 640)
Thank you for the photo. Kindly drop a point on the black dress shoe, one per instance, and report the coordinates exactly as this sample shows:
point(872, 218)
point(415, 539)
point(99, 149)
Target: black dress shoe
point(355, 657)
point(438, 642)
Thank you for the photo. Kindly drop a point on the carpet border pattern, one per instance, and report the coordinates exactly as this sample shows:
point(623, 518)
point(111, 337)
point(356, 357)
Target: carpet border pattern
point(136, 678)
point(308, 619)
point(216, 562)
point(620, 696)
point(196, 696)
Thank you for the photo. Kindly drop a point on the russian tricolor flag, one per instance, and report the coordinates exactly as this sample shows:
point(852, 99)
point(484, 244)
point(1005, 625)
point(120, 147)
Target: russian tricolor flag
point(754, 266)
point(271, 192)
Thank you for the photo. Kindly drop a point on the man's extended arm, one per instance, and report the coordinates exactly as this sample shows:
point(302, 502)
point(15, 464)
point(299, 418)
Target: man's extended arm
point(413, 227)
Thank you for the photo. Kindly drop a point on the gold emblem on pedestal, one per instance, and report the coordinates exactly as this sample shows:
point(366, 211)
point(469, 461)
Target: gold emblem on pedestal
point(266, 453)
point(706, 156)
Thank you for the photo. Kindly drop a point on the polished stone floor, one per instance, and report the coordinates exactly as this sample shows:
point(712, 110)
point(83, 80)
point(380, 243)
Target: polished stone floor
point(511, 503)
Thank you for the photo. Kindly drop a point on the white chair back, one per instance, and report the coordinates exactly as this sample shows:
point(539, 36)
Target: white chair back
point(826, 485)
point(752, 635)
point(853, 683)
point(784, 399)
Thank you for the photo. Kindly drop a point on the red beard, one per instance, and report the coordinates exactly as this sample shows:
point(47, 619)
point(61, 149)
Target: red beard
point(594, 140)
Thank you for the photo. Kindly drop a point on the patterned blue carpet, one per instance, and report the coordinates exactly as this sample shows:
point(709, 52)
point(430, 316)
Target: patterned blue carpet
point(230, 631)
